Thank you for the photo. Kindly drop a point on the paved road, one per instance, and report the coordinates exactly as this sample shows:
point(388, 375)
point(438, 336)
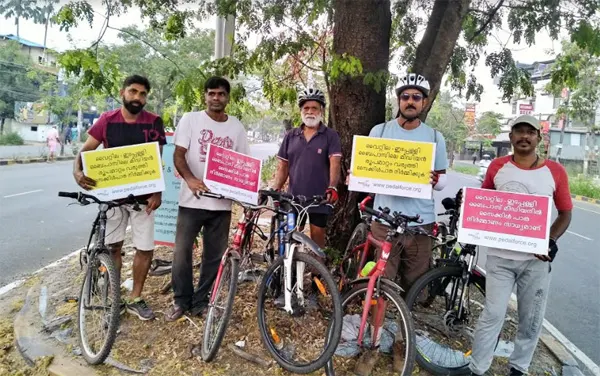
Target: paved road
point(573, 305)
point(36, 226)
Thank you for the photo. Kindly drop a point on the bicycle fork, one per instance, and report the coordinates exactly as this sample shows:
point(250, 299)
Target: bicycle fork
point(287, 273)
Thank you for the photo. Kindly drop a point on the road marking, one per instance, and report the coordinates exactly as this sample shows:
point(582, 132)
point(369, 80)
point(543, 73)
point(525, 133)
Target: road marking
point(581, 236)
point(23, 193)
point(10, 286)
point(589, 210)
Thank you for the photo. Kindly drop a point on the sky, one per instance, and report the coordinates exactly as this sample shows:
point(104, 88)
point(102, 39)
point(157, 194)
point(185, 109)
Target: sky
point(84, 35)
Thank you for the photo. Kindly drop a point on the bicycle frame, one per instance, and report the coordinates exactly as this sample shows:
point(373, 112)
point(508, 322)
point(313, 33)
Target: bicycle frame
point(234, 250)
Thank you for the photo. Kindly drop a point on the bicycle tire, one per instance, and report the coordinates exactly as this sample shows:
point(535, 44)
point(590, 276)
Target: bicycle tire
point(336, 333)
point(414, 292)
point(358, 237)
point(409, 329)
point(209, 352)
point(113, 322)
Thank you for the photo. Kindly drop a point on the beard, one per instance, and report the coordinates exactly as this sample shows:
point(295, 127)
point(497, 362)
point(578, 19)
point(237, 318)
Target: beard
point(311, 121)
point(134, 107)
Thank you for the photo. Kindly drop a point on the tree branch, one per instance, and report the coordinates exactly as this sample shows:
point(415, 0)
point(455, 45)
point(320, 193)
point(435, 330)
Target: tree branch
point(487, 22)
point(149, 45)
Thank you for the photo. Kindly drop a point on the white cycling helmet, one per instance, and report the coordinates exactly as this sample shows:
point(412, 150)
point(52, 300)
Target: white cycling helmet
point(311, 95)
point(414, 81)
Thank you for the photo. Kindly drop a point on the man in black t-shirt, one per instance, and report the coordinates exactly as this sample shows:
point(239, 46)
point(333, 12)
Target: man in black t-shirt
point(128, 125)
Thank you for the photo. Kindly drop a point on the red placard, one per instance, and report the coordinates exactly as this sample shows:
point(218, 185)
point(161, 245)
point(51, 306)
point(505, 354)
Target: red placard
point(507, 220)
point(232, 174)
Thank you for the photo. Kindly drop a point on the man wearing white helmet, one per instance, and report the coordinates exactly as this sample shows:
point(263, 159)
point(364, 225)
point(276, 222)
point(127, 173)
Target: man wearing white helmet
point(310, 156)
point(412, 95)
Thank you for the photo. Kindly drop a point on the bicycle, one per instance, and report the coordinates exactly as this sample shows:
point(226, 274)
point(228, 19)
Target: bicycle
point(375, 287)
point(239, 252)
point(101, 279)
point(293, 305)
point(456, 279)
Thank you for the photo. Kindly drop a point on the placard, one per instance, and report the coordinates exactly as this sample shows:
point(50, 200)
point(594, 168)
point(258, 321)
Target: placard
point(122, 171)
point(392, 167)
point(506, 220)
point(165, 217)
point(232, 174)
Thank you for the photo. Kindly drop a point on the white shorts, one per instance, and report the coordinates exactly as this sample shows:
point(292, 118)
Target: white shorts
point(142, 227)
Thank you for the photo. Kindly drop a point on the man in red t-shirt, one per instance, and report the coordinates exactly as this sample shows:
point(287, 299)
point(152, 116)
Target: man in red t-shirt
point(523, 172)
point(128, 125)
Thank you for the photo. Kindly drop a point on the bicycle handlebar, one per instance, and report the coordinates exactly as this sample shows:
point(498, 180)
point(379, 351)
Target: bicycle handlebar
point(397, 219)
point(83, 197)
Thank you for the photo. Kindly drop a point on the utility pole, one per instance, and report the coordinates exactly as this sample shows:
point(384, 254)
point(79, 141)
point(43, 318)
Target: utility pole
point(566, 93)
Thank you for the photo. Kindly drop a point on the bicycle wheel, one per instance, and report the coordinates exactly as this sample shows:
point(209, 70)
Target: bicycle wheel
point(398, 324)
point(444, 336)
point(309, 354)
point(350, 263)
point(100, 299)
point(219, 309)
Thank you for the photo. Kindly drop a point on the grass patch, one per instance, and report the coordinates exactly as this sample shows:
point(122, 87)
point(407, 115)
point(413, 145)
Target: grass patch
point(584, 187)
point(17, 305)
point(11, 138)
point(469, 170)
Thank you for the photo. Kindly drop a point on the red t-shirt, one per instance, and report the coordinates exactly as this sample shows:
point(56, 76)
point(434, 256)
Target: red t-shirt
point(112, 130)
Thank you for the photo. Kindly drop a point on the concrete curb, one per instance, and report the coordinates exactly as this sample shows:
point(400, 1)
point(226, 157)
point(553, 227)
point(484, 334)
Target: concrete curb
point(593, 201)
point(8, 162)
point(32, 346)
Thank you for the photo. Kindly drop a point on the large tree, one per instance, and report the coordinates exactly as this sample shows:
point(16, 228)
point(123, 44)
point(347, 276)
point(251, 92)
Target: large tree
point(447, 117)
point(352, 43)
point(489, 123)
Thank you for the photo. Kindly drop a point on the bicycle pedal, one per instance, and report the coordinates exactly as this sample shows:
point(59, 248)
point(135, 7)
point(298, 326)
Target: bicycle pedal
point(258, 258)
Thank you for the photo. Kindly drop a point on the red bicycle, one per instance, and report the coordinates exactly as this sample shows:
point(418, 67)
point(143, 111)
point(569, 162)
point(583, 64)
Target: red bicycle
point(373, 293)
point(225, 285)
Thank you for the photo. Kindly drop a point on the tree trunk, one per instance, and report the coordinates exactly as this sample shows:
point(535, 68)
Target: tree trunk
point(2, 120)
point(435, 50)
point(18, 32)
point(361, 29)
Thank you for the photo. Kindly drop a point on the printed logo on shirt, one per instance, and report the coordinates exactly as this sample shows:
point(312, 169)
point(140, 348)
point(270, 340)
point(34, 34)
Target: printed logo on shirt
point(207, 137)
point(320, 151)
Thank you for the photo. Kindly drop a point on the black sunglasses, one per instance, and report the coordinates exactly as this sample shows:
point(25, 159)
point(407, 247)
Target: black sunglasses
point(415, 97)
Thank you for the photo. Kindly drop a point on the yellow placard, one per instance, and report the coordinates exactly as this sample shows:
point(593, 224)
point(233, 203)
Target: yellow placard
point(392, 160)
point(123, 166)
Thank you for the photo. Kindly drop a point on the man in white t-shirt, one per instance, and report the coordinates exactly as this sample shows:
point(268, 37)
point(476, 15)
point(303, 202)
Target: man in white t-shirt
point(195, 131)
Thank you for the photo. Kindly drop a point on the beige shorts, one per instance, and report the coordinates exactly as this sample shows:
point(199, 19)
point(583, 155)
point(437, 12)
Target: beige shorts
point(142, 227)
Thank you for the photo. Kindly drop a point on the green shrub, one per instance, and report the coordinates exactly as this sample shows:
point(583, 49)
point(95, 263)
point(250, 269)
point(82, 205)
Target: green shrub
point(584, 187)
point(11, 138)
point(268, 169)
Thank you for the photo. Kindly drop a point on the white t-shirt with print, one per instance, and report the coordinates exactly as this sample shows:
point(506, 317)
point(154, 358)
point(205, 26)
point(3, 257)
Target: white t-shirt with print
point(195, 131)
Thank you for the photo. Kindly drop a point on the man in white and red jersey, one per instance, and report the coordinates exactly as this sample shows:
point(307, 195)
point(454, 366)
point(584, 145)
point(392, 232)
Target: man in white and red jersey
point(523, 172)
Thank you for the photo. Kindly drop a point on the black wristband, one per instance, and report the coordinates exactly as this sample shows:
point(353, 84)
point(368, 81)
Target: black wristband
point(553, 249)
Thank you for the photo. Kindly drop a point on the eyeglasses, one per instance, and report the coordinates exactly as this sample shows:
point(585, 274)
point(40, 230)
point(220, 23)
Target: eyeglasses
point(415, 97)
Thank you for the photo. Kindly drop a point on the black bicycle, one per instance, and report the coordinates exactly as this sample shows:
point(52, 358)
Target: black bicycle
point(446, 302)
point(100, 298)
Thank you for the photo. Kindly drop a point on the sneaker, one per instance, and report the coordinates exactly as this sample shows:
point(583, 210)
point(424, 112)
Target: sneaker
point(515, 372)
point(123, 306)
point(366, 362)
point(139, 308)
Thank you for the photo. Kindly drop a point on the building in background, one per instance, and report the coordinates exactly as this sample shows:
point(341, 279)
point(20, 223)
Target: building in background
point(43, 57)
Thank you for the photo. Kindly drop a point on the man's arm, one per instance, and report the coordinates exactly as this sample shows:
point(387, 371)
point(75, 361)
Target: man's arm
point(196, 185)
point(561, 224)
point(335, 163)
point(84, 182)
point(281, 175)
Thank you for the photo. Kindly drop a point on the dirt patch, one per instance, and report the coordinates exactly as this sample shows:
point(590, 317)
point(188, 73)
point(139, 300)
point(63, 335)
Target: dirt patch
point(164, 348)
